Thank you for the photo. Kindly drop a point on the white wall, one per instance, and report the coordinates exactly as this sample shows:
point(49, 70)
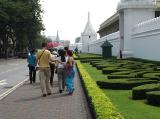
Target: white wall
point(132, 17)
point(95, 46)
point(73, 46)
point(145, 42)
point(86, 39)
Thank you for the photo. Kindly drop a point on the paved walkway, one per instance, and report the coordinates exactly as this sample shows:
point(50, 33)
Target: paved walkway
point(27, 102)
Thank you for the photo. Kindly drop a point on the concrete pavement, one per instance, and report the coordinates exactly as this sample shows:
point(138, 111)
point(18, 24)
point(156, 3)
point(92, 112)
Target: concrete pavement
point(27, 102)
point(12, 72)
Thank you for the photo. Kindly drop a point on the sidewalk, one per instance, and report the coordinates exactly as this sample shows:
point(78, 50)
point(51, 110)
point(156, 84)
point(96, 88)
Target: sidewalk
point(27, 102)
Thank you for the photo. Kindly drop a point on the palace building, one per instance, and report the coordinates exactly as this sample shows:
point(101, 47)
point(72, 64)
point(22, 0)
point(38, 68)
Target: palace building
point(134, 31)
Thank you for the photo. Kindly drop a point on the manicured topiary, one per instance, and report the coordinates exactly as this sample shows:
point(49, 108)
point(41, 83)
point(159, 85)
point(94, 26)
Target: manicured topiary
point(122, 72)
point(140, 91)
point(100, 67)
point(124, 84)
point(152, 75)
point(88, 56)
point(89, 60)
point(121, 76)
point(100, 104)
point(145, 61)
point(94, 63)
point(112, 69)
point(153, 98)
point(106, 65)
point(140, 73)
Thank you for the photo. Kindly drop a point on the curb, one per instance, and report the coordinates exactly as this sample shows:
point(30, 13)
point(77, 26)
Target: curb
point(12, 89)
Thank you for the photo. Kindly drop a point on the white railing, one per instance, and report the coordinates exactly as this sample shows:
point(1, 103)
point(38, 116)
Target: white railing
point(147, 26)
point(145, 39)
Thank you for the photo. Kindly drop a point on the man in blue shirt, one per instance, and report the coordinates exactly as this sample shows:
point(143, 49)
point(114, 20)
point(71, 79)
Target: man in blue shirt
point(32, 66)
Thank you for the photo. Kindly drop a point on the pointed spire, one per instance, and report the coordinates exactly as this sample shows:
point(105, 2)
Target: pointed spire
point(88, 17)
point(89, 29)
point(57, 37)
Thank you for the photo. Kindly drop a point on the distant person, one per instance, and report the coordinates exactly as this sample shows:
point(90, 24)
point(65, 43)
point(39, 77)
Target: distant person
point(52, 68)
point(70, 73)
point(32, 66)
point(43, 59)
point(61, 71)
point(66, 50)
point(76, 51)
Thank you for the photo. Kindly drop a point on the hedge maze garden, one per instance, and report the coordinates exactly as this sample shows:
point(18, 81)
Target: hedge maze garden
point(140, 76)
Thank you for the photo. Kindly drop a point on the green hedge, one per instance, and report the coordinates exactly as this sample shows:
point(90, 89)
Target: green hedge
point(100, 67)
point(121, 76)
point(106, 65)
point(94, 63)
point(140, 74)
point(152, 75)
point(124, 84)
point(89, 60)
point(99, 102)
point(140, 91)
point(153, 98)
point(87, 56)
point(145, 61)
point(123, 72)
point(113, 69)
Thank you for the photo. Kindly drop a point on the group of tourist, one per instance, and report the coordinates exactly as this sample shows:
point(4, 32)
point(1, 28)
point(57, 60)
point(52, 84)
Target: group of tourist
point(48, 64)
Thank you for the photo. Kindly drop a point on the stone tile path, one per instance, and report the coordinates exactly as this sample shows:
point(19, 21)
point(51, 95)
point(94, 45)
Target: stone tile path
point(27, 102)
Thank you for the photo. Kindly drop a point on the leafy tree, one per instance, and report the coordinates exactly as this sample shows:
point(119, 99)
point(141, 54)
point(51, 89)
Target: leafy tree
point(20, 20)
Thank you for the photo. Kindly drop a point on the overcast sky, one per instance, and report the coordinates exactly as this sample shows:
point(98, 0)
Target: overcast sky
point(69, 17)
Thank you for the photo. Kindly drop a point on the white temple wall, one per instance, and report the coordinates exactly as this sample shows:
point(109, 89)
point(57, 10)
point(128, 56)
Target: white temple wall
point(84, 43)
point(86, 39)
point(76, 45)
point(146, 40)
point(95, 46)
point(132, 17)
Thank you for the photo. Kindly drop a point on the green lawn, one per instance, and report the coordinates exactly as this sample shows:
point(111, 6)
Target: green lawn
point(94, 73)
point(130, 109)
point(89, 55)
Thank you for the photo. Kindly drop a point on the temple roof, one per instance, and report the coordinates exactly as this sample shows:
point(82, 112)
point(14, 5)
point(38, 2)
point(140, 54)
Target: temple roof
point(89, 29)
point(109, 21)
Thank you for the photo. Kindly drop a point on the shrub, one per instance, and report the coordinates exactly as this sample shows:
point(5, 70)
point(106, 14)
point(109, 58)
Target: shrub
point(153, 98)
point(99, 102)
point(140, 74)
point(106, 65)
point(89, 60)
point(122, 72)
point(123, 84)
point(121, 76)
point(94, 63)
point(152, 75)
point(83, 58)
point(112, 69)
point(145, 61)
point(100, 67)
point(140, 91)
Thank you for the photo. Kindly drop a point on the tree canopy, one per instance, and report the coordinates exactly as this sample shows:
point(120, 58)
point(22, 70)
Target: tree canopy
point(20, 24)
